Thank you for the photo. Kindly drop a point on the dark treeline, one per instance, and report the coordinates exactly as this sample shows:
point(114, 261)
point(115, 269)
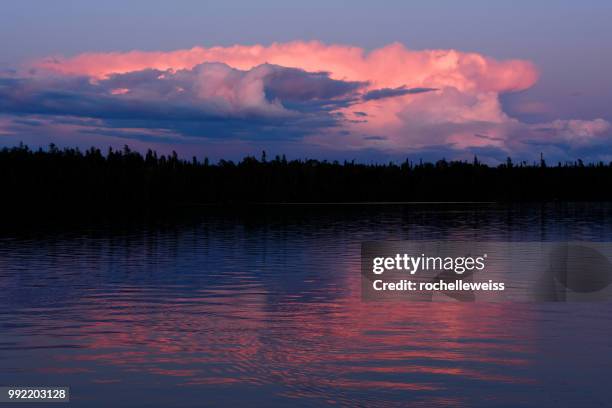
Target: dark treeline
point(73, 180)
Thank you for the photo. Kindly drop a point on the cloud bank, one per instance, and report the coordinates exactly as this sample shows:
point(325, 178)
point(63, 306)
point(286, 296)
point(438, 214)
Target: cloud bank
point(330, 97)
point(209, 100)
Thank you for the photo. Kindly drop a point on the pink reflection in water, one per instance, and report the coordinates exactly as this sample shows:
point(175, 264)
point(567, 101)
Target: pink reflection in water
point(313, 349)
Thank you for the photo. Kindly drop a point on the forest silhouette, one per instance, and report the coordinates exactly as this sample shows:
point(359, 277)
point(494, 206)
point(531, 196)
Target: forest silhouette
point(71, 180)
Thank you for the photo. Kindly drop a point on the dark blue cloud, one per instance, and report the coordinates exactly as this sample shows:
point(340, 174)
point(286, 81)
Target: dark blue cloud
point(393, 92)
point(487, 137)
point(210, 100)
point(296, 85)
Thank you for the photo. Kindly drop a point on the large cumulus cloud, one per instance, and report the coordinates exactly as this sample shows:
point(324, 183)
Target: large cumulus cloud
point(208, 100)
point(335, 97)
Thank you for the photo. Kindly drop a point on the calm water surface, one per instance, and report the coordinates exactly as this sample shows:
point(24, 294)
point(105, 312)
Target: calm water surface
point(263, 308)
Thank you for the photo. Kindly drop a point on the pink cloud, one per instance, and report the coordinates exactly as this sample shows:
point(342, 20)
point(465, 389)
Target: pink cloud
point(580, 129)
point(390, 66)
point(418, 98)
point(573, 132)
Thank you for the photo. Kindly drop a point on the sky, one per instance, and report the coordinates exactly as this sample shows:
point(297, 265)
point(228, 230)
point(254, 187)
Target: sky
point(370, 81)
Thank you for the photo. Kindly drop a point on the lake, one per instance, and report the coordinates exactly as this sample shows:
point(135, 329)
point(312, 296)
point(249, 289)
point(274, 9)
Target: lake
point(261, 306)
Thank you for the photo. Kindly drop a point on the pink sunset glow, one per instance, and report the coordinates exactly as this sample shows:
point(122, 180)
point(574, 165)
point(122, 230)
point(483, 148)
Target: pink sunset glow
point(335, 97)
point(390, 66)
